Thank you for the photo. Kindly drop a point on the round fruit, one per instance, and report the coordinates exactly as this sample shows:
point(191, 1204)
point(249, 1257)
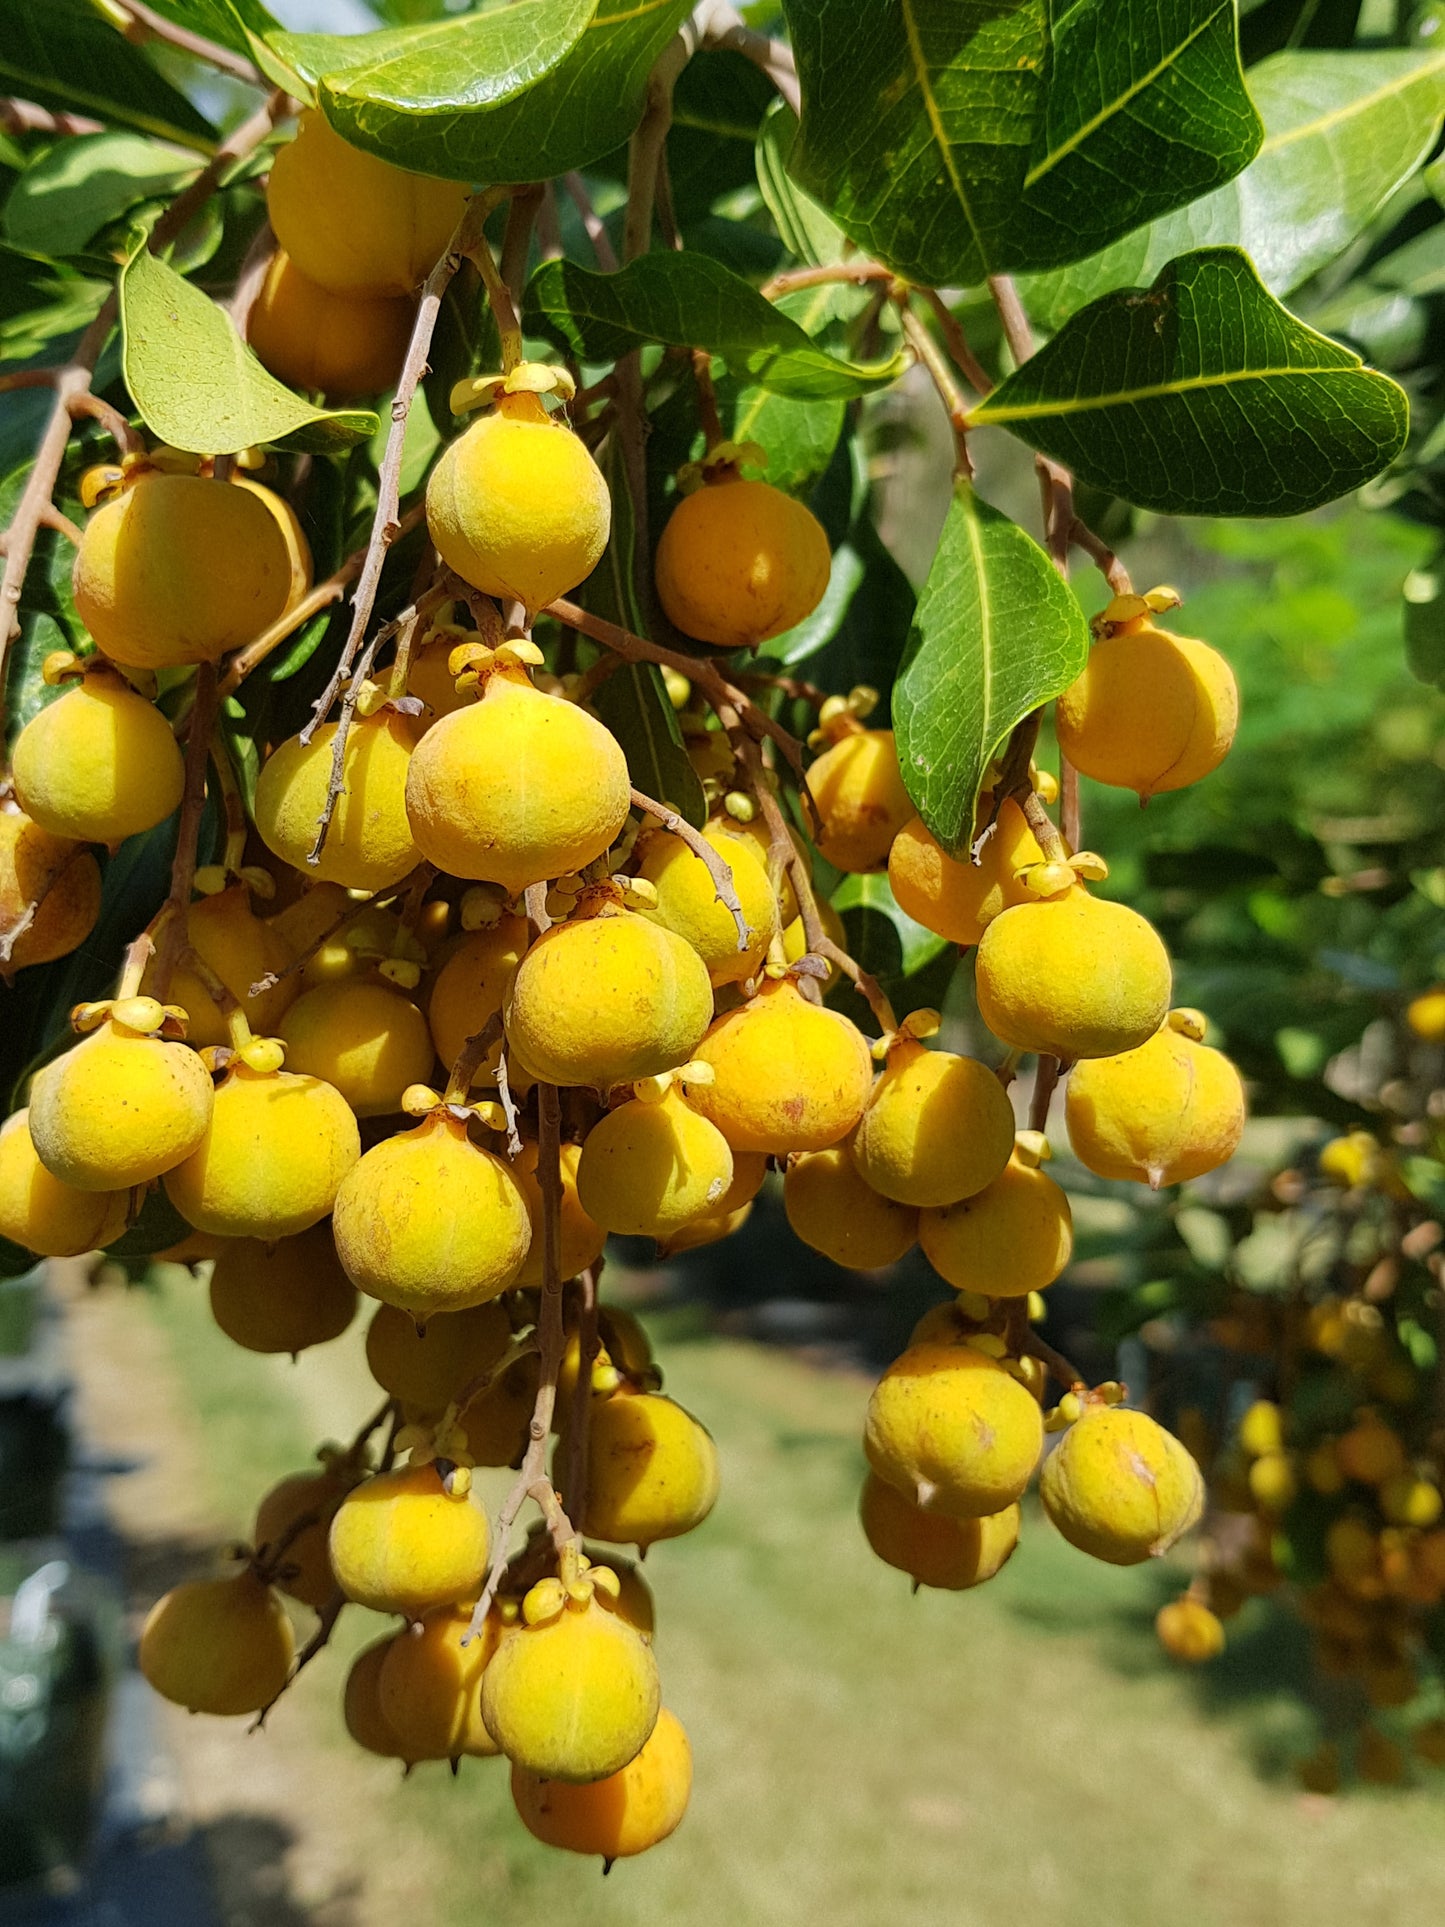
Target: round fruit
point(1426, 1016)
point(218, 1645)
point(341, 345)
point(936, 1128)
point(241, 948)
point(687, 900)
point(932, 1548)
point(99, 764)
point(427, 1368)
point(282, 1296)
point(787, 1075)
point(951, 1428)
point(361, 1701)
point(401, 1542)
point(369, 845)
point(497, 1422)
point(43, 1214)
point(1169, 1110)
point(471, 984)
point(1013, 1237)
point(582, 1238)
point(1150, 712)
point(1188, 1631)
point(739, 562)
point(292, 1523)
point(119, 1108)
point(653, 1470)
point(429, 1686)
point(50, 880)
point(647, 1169)
point(367, 1039)
point(953, 896)
point(832, 1208)
point(859, 791)
point(625, 1814)
point(1120, 1487)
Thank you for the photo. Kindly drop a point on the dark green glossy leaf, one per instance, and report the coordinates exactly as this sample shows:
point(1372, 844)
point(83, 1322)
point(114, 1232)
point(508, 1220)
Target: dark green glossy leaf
point(717, 107)
point(917, 946)
point(78, 186)
point(64, 55)
point(40, 302)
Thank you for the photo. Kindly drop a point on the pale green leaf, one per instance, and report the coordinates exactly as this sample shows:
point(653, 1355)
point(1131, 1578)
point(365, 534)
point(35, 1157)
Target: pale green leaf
point(807, 231)
point(78, 186)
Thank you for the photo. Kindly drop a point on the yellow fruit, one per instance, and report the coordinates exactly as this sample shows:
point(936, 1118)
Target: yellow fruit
point(241, 948)
point(355, 224)
point(281, 1297)
point(1150, 712)
point(180, 569)
point(1272, 1482)
point(1407, 1500)
point(429, 1686)
point(298, 549)
point(496, 1422)
point(936, 1128)
point(428, 1368)
point(1073, 976)
point(1261, 1430)
point(756, 832)
point(341, 345)
point(1371, 1451)
point(361, 1700)
point(1188, 1631)
point(99, 764)
point(739, 562)
point(218, 1645)
point(859, 791)
point(832, 1208)
point(954, 896)
point(1426, 1015)
point(624, 1814)
point(605, 998)
point(430, 1222)
point(1013, 1237)
point(367, 1039)
point(573, 1697)
point(292, 1523)
point(688, 904)
point(652, 1470)
point(951, 1428)
point(788, 1075)
point(471, 984)
point(710, 1229)
point(369, 845)
point(50, 880)
point(517, 506)
point(647, 1169)
point(45, 1215)
point(402, 1543)
point(275, 1150)
point(1120, 1487)
point(1161, 1114)
point(119, 1108)
point(564, 799)
point(932, 1548)
point(582, 1238)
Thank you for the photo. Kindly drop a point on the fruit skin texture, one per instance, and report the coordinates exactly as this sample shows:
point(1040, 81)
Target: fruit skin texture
point(933, 1549)
point(314, 339)
point(653, 1470)
point(471, 984)
point(952, 896)
point(119, 1109)
point(517, 788)
point(688, 903)
point(607, 998)
point(1073, 976)
point(936, 1128)
point(99, 764)
point(241, 948)
point(180, 569)
point(361, 1701)
point(61, 881)
point(366, 1039)
point(275, 1150)
point(1120, 1487)
point(626, 1813)
point(44, 1215)
point(582, 1238)
point(355, 224)
point(832, 1208)
point(573, 1698)
point(649, 1169)
point(859, 791)
point(428, 1368)
point(1013, 1237)
point(401, 1543)
point(218, 1645)
point(517, 506)
point(429, 1222)
point(282, 1297)
point(952, 1429)
point(429, 1687)
point(369, 845)
point(1188, 1631)
point(1170, 1110)
point(789, 1075)
point(739, 562)
point(304, 1494)
point(1150, 712)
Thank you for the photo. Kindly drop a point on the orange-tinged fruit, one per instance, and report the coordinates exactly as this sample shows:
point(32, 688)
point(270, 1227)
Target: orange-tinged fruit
point(40, 1212)
point(1150, 712)
point(1272, 1482)
point(339, 344)
point(688, 903)
point(429, 1686)
point(936, 1128)
point(953, 896)
point(427, 1368)
point(290, 1533)
point(119, 1108)
point(652, 1470)
point(219, 1646)
point(581, 1237)
point(282, 1296)
point(624, 1814)
point(367, 1039)
point(1188, 1631)
point(787, 1075)
point(951, 1428)
point(1013, 1237)
point(361, 1701)
point(401, 1542)
point(1073, 976)
point(48, 882)
point(1163, 1113)
point(1408, 1500)
point(934, 1549)
point(497, 1421)
point(471, 984)
point(369, 845)
point(739, 562)
point(241, 949)
point(1118, 1486)
point(647, 1169)
point(858, 788)
point(98, 764)
point(1371, 1451)
point(832, 1208)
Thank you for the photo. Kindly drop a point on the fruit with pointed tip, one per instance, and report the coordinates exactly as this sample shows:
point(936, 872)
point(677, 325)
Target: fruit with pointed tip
point(48, 883)
point(653, 1469)
point(119, 1108)
point(1119, 1487)
point(862, 804)
point(934, 1549)
point(369, 845)
point(1167, 1111)
point(832, 1208)
point(936, 1128)
point(1013, 1237)
point(649, 1168)
point(949, 1426)
point(98, 764)
point(1149, 712)
point(955, 897)
point(366, 1038)
point(43, 1214)
point(315, 339)
point(626, 1813)
point(787, 1075)
point(283, 1295)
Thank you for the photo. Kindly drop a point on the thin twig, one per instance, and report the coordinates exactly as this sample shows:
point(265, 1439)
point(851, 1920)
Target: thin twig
point(25, 117)
point(718, 868)
point(724, 27)
point(941, 375)
point(956, 342)
point(319, 1640)
point(1067, 1375)
point(858, 272)
point(347, 917)
point(592, 221)
point(579, 1431)
point(155, 26)
point(1046, 1079)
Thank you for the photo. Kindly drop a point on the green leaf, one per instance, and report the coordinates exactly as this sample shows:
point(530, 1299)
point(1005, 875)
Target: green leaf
point(799, 436)
point(917, 946)
point(717, 109)
point(197, 384)
point(62, 54)
point(491, 55)
point(996, 634)
point(78, 186)
point(1424, 595)
point(808, 232)
point(1201, 395)
point(231, 22)
point(40, 302)
point(687, 300)
point(1343, 131)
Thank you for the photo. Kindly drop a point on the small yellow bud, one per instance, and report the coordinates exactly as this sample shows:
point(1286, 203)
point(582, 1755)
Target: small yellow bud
point(210, 879)
point(1089, 865)
point(974, 1305)
point(401, 971)
point(1037, 1309)
point(740, 806)
point(1189, 1023)
point(1032, 1148)
point(262, 1054)
point(544, 1601)
point(679, 689)
point(144, 1014)
point(418, 1099)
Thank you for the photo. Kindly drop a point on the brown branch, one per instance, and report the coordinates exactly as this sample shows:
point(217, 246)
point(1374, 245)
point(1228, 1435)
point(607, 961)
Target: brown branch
point(1067, 1375)
point(723, 27)
point(25, 117)
point(718, 868)
point(956, 342)
point(941, 375)
point(859, 272)
point(517, 240)
point(54, 518)
point(592, 221)
point(348, 916)
point(319, 1640)
point(1046, 1079)
point(170, 920)
point(579, 1435)
point(155, 26)
point(129, 440)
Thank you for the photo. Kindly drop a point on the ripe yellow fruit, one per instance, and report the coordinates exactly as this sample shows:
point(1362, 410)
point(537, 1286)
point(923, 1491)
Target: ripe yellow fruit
point(605, 998)
point(652, 1470)
point(281, 1297)
point(1162, 1113)
point(573, 1697)
point(275, 1150)
point(951, 1428)
point(367, 1039)
point(241, 948)
point(517, 506)
point(1272, 1483)
point(710, 1229)
point(859, 791)
point(298, 549)
point(647, 1169)
point(50, 880)
point(1120, 1487)
point(834, 1210)
point(1408, 1500)
point(1150, 712)
point(625, 1814)
point(788, 1075)
point(430, 1222)
point(932, 1548)
point(1261, 1430)
point(1188, 1631)
point(297, 1514)
point(564, 800)
point(178, 568)
point(471, 984)
point(119, 1108)
point(43, 1214)
point(220, 1646)
point(429, 1686)
point(936, 1128)
point(1013, 1237)
point(1426, 1016)
point(582, 1238)
point(99, 764)
point(1371, 1451)
point(496, 1423)
point(739, 562)
point(427, 1368)
point(369, 845)
point(401, 1542)
point(343, 345)
point(953, 896)
point(688, 904)
point(361, 1700)
point(1072, 976)
point(355, 224)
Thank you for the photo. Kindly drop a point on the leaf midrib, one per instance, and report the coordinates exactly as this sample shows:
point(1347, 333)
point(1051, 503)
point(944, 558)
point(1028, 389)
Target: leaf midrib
point(920, 68)
point(1029, 411)
point(1361, 104)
